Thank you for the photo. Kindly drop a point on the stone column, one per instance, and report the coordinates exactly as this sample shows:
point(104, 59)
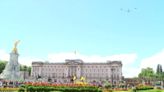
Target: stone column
point(78, 72)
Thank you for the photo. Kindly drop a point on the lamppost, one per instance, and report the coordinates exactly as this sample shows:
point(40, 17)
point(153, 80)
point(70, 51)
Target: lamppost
point(24, 72)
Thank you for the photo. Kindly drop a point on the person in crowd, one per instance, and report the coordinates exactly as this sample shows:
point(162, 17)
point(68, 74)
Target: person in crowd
point(1, 84)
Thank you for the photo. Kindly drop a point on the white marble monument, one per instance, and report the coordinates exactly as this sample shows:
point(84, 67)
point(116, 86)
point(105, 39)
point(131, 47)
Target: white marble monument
point(12, 69)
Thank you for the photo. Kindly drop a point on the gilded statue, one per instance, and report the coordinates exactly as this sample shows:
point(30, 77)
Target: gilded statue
point(15, 46)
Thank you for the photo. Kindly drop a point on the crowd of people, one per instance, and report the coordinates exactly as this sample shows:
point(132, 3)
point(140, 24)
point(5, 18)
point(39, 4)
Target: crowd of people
point(10, 84)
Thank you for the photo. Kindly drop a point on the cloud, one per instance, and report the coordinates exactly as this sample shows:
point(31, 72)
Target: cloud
point(28, 60)
point(4, 55)
point(130, 71)
point(60, 57)
point(22, 60)
point(128, 60)
point(153, 60)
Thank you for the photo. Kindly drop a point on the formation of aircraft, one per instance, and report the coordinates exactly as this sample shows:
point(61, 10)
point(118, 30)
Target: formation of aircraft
point(128, 10)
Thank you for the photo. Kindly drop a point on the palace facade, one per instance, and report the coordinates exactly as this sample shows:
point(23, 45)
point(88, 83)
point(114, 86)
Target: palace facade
point(64, 72)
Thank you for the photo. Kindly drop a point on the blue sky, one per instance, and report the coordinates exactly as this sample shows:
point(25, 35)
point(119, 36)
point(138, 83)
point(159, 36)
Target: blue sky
point(93, 27)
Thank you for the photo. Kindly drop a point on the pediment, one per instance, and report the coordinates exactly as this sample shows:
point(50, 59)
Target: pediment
point(73, 61)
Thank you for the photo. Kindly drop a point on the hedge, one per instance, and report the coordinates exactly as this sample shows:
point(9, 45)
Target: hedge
point(62, 89)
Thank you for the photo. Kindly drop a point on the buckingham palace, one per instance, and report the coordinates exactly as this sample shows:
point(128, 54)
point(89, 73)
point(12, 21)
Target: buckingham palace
point(63, 72)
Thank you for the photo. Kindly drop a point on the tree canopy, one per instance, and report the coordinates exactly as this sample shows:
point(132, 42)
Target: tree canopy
point(2, 65)
point(159, 72)
point(159, 69)
point(147, 73)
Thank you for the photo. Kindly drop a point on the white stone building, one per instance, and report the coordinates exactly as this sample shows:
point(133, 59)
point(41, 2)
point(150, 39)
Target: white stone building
point(64, 72)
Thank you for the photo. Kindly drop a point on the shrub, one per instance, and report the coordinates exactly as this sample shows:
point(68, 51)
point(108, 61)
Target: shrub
point(144, 87)
point(21, 89)
point(31, 88)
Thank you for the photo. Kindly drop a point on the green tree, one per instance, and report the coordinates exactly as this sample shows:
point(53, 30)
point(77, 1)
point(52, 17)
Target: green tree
point(2, 65)
point(23, 68)
point(147, 74)
point(159, 69)
point(29, 70)
point(159, 72)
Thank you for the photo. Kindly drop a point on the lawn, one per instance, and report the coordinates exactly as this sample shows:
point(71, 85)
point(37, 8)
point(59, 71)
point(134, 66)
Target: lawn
point(155, 90)
point(152, 91)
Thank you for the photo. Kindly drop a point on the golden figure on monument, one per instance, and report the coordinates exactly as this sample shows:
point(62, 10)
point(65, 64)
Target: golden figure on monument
point(15, 46)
